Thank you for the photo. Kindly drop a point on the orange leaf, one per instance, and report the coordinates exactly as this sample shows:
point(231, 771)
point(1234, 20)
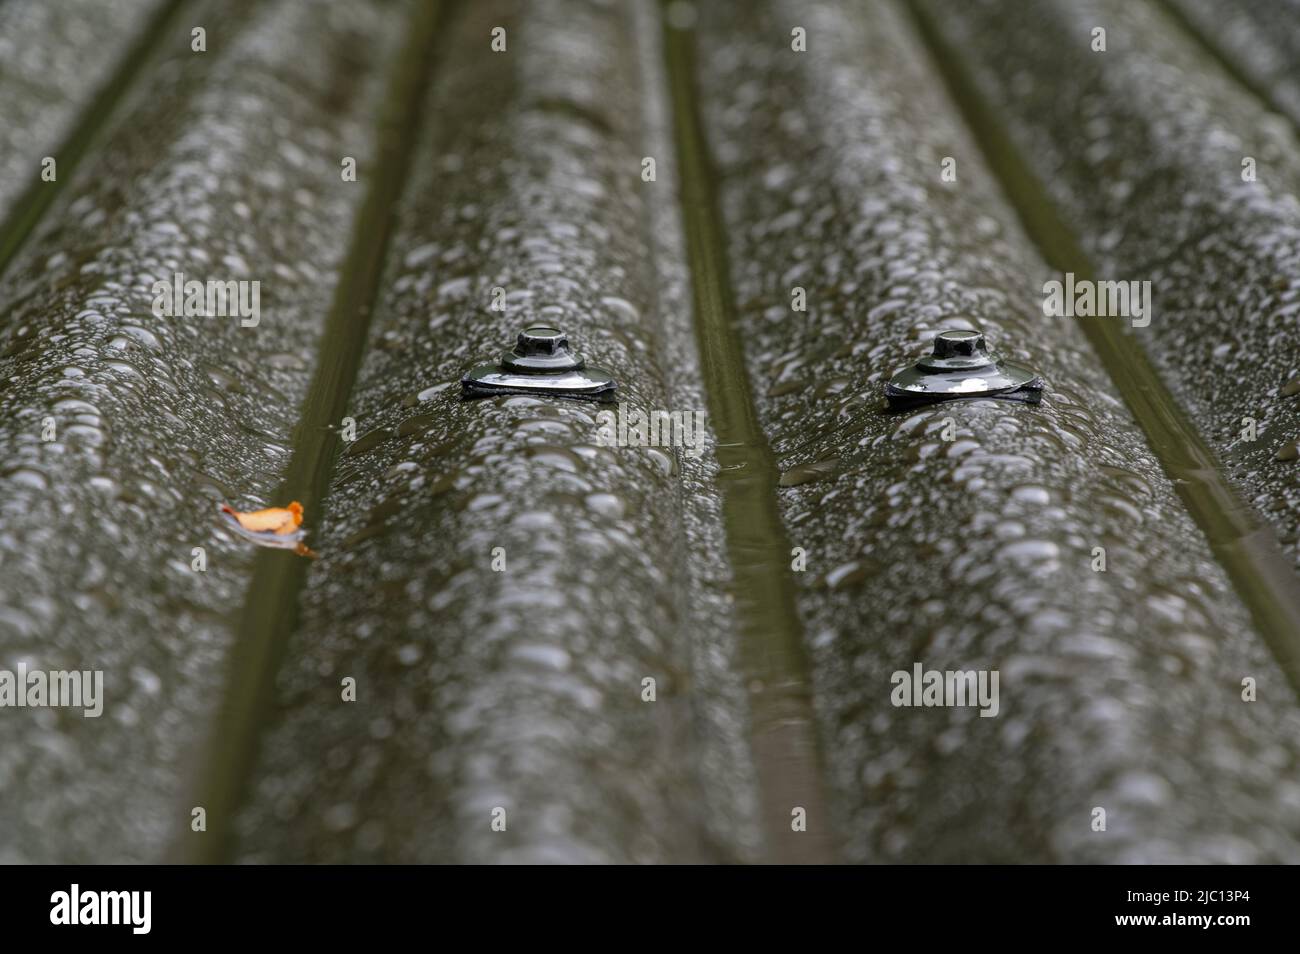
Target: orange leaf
point(272, 520)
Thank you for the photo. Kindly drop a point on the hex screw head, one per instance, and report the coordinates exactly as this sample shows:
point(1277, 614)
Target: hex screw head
point(957, 343)
point(957, 349)
point(541, 340)
point(541, 349)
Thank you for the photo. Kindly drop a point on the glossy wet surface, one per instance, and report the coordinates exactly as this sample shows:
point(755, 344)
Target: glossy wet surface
point(499, 583)
point(976, 551)
point(1143, 147)
point(525, 642)
point(156, 420)
point(53, 62)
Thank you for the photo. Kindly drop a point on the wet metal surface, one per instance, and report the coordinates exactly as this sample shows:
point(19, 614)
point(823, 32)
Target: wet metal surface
point(54, 60)
point(499, 583)
point(1257, 39)
point(269, 613)
point(537, 631)
point(1144, 150)
point(156, 419)
point(773, 656)
point(1120, 688)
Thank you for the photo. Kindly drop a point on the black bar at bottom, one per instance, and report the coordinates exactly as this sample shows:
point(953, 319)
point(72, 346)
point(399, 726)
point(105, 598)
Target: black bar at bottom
point(335, 905)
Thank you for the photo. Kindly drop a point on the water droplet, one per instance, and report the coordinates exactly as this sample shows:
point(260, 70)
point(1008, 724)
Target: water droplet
point(807, 473)
point(607, 505)
point(223, 379)
point(558, 457)
point(428, 393)
point(666, 462)
point(848, 574)
point(26, 477)
point(550, 657)
point(417, 425)
point(1032, 494)
point(788, 387)
point(368, 442)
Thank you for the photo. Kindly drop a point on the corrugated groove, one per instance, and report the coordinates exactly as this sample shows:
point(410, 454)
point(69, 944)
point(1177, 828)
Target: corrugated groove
point(786, 751)
point(1246, 548)
point(29, 208)
point(270, 610)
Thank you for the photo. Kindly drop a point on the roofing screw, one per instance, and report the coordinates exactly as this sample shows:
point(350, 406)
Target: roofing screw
point(541, 363)
point(961, 366)
point(541, 350)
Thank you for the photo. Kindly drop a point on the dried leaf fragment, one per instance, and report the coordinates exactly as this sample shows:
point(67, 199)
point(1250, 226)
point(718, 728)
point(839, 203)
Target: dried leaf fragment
point(271, 520)
point(278, 527)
